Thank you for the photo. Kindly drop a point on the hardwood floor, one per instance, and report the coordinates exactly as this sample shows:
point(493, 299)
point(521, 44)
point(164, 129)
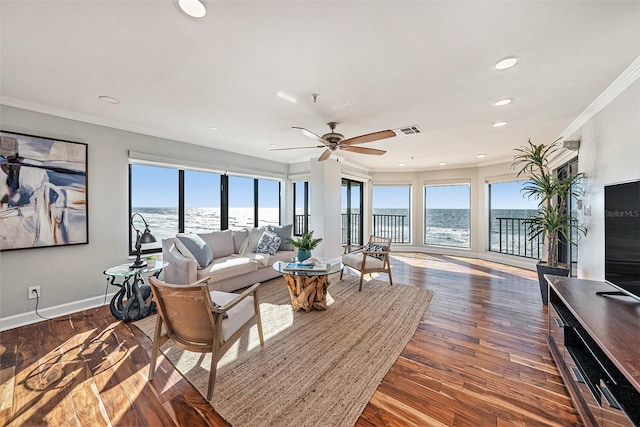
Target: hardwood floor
point(478, 358)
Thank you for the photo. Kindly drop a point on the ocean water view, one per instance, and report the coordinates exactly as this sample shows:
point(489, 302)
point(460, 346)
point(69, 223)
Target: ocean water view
point(443, 227)
point(163, 222)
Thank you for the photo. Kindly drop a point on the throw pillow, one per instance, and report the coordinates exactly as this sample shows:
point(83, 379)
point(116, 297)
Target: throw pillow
point(250, 243)
point(285, 232)
point(268, 243)
point(198, 248)
point(376, 248)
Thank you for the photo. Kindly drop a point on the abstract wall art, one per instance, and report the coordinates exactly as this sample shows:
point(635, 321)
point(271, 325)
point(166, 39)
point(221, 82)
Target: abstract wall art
point(43, 192)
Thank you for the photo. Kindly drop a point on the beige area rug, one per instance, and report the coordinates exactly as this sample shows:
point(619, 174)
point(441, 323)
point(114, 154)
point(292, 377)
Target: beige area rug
point(316, 368)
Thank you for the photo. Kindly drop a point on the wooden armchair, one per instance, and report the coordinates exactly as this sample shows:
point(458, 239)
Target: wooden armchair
point(370, 258)
point(188, 316)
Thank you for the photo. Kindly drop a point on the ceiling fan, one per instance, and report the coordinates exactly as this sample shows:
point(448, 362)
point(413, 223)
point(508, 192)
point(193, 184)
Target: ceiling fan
point(333, 141)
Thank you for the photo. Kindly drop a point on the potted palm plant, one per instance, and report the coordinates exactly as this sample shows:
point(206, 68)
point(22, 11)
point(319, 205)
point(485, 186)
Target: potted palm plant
point(305, 244)
point(552, 219)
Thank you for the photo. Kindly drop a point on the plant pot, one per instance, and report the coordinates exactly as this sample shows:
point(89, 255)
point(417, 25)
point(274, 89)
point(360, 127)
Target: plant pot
point(543, 269)
point(303, 255)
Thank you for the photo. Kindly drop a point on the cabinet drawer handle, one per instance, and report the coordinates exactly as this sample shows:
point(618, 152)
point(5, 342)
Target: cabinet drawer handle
point(595, 357)
point(611, 399)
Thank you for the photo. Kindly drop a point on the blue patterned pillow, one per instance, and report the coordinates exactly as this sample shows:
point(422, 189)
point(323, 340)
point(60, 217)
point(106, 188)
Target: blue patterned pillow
point(376, 248)
point(268, 243)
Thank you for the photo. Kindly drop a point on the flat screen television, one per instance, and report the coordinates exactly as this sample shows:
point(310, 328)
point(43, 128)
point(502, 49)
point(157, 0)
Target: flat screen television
point(622, 237)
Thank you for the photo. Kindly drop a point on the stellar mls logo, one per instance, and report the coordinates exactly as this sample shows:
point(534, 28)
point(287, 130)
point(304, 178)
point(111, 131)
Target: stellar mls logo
point(622, 213)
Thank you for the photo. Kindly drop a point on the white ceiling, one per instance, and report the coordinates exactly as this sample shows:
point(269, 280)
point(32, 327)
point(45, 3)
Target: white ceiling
point(376, 65)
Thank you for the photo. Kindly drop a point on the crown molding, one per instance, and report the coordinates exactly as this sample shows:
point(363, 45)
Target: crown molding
point(619, 85)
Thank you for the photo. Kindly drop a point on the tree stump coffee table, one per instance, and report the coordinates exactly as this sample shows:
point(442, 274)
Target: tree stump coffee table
point(307, 288)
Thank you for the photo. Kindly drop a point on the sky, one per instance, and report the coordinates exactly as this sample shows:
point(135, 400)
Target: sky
point(158, 187)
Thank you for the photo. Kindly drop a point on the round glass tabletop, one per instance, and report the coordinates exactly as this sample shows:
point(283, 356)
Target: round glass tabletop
point(290, 267)
point(123, 270)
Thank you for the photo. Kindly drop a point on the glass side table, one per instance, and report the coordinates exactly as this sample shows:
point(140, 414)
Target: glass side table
point(129, 303)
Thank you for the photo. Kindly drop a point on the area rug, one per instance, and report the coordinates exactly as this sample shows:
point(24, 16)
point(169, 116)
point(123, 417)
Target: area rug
point(316, 368)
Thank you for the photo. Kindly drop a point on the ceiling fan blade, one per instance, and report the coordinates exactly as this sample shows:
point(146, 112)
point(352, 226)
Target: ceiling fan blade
point(375, 136)
point(296, 148)
point(363, 150)
point(310, 134)
point(325, 155)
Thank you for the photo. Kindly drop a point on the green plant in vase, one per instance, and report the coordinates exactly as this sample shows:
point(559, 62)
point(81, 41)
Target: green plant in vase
point(552, 219)
point(304, 244)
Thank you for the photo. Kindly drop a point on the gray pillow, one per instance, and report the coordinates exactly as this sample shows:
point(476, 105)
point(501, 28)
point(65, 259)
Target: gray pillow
point(198, 248)
point(284, 233)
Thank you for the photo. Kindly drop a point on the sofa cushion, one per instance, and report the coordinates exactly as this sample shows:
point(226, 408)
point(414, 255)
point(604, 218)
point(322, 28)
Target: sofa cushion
point(280, 256)
point(197, 247)
point(220, 242)
point(249, 245)
point(224, 268)
point(284, 232)
point(239, 236)
point(268, 244)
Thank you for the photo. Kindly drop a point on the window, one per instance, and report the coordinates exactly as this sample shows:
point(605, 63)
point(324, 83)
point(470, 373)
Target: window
point(391, 207)
point(301, 207)
point(241, 202)
point(158, 207)
point(201, 202)
point(268, 202)
point(176, 200)
point(447, 215)
point(508, 208)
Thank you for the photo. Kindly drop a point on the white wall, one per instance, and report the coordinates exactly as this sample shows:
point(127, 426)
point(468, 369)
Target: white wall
point(609, 153)
point(70, 278)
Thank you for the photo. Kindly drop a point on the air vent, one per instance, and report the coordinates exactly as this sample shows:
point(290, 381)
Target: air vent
point(407, 130)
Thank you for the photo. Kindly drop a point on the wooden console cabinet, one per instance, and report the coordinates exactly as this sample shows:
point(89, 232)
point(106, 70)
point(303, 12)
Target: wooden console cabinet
point(595, 342)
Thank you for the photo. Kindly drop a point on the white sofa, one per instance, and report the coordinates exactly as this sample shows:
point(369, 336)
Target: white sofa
point(229, 270)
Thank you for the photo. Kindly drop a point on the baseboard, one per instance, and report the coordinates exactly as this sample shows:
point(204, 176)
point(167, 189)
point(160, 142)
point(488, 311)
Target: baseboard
point(53, 312)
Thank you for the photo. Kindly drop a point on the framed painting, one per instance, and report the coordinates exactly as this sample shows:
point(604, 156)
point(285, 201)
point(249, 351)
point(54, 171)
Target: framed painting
point(43, 192)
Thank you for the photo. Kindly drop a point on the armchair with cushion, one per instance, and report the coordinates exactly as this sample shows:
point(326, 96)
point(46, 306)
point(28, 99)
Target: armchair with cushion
point(370, 258)
point(202, 321)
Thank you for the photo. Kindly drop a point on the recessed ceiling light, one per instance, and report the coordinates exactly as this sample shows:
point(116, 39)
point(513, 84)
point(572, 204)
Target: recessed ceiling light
point(499, 124)
point(287, 97)
point(109, 99)
point(213, 128)
point(442, 163)
point(506, 63)
point(273, 145)
point(193, 8)
point(502, 102)
point(401, 164)
point(481, 156)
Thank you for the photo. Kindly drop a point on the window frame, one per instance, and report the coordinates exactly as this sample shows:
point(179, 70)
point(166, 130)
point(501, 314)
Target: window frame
point(224, 201)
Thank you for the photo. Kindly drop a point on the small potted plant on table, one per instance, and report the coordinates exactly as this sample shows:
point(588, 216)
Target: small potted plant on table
point(304, 244)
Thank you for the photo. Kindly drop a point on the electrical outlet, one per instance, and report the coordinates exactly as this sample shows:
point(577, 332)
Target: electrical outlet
point(34, 292)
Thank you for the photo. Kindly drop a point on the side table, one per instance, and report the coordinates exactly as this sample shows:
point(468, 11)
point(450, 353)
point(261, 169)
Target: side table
point(308, 288)
point(129, 303)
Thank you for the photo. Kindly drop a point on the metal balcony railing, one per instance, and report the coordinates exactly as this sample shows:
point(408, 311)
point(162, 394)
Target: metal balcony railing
point(512, 237)
point(395, 227)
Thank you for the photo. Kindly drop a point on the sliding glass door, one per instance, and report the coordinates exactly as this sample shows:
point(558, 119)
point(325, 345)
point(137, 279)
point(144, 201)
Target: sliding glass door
point(352, 207)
